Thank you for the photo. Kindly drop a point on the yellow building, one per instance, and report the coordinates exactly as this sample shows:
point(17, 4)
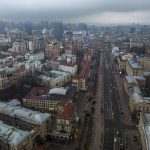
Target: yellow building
point(133, 67)
point(12, 75)
point(145, 63)
point(121, 63)
point(43, 99)
point(137, 103)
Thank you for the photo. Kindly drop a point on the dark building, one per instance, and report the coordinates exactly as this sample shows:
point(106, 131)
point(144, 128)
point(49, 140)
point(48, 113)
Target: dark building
point(82, 26)
point(58, 30)
point(28, 27)
point(2, 26)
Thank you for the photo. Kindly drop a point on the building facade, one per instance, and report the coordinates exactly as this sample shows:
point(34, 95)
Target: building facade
point(144, 130)
point(12, 75)
point(133, 67)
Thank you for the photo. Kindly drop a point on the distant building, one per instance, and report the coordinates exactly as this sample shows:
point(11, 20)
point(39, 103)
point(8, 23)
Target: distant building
point(58, 30)
point(52, 50)
point(135, 43)
point(35, 56)
point(115, 51)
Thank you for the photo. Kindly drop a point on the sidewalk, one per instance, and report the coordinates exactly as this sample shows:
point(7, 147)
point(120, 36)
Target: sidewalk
point(123, 99)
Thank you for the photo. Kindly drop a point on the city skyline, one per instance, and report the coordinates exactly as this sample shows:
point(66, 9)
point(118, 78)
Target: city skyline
point(87, 11)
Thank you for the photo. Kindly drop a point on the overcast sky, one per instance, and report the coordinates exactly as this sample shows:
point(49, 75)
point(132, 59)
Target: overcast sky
point(88, 11)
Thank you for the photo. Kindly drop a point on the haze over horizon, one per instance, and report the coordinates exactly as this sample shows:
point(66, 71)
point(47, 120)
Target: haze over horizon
point(87, 11)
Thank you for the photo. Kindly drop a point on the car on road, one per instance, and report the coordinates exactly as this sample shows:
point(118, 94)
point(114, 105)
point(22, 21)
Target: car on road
point(135, 138)
point(121, 113)
point(102, 110)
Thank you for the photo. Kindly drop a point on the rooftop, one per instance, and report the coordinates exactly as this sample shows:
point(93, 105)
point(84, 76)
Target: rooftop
point(55, 94)
point(85, 69)
point(134, 63)
point(13, 135)
point(59, 91)
point(131, 79)
point(115, 49)
point(14, 108)
point(66, 111)
point(136, 98)
point(53, 75)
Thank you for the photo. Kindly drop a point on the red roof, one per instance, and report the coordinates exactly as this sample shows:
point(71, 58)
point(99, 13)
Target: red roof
point(67, 111)
point(37, 93)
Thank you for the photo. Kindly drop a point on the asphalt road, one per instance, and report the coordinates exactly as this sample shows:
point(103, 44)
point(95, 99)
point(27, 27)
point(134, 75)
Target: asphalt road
point(114, 128)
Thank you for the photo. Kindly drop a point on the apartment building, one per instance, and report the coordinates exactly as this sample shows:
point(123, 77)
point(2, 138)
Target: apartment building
point(54, 78)
point(52, 50)
point(12, 75)
point(12, 138)
point(13, 114)
point(43, 99)
point(66, 123)
point(81, 80)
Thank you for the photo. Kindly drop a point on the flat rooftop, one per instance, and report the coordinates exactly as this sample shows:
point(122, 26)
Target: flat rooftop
point(53, 75)
point(55, 94)
point(13, 135)
point(134, 64)
point(13, 108)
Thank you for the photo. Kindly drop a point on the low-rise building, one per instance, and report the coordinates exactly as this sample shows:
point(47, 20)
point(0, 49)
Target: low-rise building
point(54, 78)
point(43, 99)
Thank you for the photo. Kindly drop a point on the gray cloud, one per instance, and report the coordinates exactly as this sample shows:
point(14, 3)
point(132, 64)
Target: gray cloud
point(69, 9)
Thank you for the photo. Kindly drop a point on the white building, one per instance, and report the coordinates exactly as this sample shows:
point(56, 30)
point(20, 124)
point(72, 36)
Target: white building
point(35, 56)
point(54, 78)
point(68, 68)
point(32, 66)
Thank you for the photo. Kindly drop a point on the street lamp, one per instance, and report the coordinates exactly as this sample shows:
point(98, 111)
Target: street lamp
point(115, 140)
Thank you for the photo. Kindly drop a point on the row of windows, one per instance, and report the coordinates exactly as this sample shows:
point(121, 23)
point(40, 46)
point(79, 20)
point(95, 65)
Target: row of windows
point(141, 108)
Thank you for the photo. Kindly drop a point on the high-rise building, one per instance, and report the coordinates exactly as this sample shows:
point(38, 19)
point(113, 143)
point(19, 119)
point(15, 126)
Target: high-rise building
point(58, 30)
